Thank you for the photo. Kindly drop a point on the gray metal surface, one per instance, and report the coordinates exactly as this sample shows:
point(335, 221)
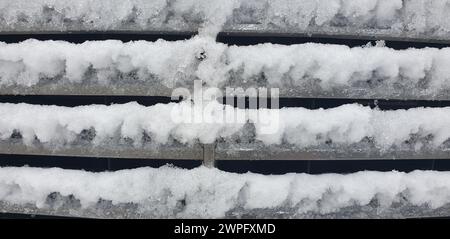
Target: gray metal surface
point(348, 153)
point(286, 91)
point(118, 151)
point(69, 207)
point(137, 89)
point(250, 30)
point(210, 153)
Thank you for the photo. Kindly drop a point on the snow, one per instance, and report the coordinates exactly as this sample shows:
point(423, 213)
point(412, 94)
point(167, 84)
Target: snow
point(304, 66)
point(211, 193)
point(179, 122)
point(410, 17)
point(210, 15)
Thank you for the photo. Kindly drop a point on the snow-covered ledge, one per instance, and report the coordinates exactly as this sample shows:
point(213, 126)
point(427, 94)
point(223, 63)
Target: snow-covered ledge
point(155, 68)
point(422, 20)
point(169, 192)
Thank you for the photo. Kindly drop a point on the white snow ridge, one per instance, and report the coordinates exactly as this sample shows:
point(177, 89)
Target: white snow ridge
point(330, 68)
point(55, 126)
point(210, 193)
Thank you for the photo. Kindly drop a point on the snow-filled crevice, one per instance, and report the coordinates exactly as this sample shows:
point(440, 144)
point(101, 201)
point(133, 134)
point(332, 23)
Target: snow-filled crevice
point(169, 192)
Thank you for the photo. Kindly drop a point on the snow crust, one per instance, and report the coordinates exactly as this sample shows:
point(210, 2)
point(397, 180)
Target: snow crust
point(166, 124)
point(210, 193)
point(413, 17)
point(326, 67)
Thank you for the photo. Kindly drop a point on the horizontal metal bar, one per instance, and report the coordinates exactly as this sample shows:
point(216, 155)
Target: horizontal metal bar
point(285, 91)
point(127, 211)
point(226, 152)
point(136, 89)
point(161, 152)
point(348, 153)
point(337, 33)
point(248, 30)
point(94, 213)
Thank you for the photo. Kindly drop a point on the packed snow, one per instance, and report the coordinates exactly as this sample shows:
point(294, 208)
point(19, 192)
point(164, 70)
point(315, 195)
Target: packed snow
point(304, 66)
point(211, 193)
point(189, 123)
point(407, 17)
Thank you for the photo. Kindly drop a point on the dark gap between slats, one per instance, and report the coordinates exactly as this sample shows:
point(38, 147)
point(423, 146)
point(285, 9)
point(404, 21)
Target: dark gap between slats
point(326, 103)
point(235, 166)
point(227, 38)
